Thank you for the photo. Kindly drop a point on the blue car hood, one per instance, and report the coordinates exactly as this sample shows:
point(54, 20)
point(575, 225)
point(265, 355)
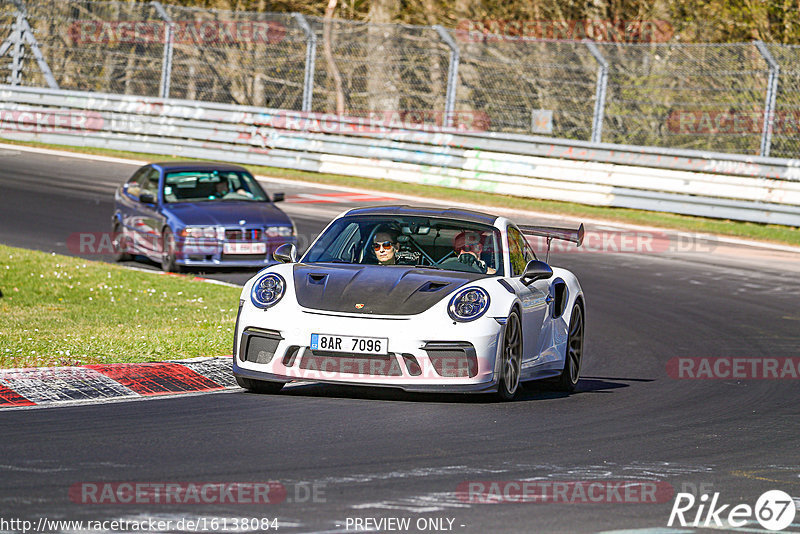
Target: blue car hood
point(228, 213)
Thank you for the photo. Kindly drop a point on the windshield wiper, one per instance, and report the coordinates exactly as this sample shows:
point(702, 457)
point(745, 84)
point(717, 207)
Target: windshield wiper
point(430, 267)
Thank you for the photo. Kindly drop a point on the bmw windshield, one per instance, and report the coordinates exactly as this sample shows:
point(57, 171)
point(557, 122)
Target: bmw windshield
point(417, 241)
point(205, 186)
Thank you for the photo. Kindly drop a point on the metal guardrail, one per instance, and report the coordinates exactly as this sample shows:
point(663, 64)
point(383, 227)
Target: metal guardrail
point(765, 190)
point(643, 88)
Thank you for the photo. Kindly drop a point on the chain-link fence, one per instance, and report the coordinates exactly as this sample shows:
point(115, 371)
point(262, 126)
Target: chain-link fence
point(738, 98)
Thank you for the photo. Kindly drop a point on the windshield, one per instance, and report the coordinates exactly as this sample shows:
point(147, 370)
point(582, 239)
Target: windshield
point(404, 240)
point(204, 186)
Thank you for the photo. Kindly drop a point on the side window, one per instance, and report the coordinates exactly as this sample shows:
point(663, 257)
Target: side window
point(133, 185)
point(530, 255)
point(150, 182)
point(516, 251)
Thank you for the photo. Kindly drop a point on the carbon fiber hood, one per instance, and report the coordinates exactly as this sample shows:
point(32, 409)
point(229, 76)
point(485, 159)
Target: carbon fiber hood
point(374, 289)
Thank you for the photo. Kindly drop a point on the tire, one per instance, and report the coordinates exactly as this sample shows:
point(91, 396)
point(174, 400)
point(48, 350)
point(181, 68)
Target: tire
point(168, 253)
point(570, 375)
point(259, 386)
point(511, 355)
point(120, 244)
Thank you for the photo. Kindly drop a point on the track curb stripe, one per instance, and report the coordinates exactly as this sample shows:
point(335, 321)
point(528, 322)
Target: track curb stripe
point(64, 385)
point(9, 397)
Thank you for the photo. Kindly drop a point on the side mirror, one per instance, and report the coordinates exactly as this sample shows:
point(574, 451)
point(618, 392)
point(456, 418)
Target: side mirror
point(146, 197)
point(286, 253)
point(278, 197)
point(536, 270)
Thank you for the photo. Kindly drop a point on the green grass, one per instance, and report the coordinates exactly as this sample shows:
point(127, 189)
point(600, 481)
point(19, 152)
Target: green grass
point(788, 235)
point(58, 310)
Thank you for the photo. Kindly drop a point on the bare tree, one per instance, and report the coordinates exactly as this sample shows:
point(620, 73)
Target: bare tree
point(334, 71)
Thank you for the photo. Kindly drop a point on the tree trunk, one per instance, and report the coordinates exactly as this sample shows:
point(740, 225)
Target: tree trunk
point(332, 69)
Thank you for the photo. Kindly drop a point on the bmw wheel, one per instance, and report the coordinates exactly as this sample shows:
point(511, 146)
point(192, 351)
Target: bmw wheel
point(259, 386)
point(120, 244)
point(572, 363)
point(168, 253)
point(512, 358)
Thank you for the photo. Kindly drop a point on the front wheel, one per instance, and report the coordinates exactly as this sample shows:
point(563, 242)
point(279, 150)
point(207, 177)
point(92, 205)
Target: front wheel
point(570, 375)
point(120, 244)
point(259, 386)
point(512, 358)
point(168, 253)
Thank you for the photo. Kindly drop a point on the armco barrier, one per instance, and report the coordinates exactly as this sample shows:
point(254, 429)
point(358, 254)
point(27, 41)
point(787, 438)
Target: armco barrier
point(765, 190)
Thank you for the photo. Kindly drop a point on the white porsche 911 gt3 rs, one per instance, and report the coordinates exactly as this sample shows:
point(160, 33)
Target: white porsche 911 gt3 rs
point(422, 299)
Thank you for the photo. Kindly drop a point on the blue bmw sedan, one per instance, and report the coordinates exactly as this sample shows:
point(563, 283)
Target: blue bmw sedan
point(195, 214)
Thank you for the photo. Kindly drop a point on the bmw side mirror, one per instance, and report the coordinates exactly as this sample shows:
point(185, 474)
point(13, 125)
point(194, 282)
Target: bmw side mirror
point(536, 270)
point(286, 253)
point(278, 197)
point(145, 197)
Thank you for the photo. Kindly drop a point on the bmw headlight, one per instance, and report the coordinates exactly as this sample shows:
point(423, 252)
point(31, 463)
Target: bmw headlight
point(267, 290)
point(204, 232)
point(279, 231)
point(468, 304)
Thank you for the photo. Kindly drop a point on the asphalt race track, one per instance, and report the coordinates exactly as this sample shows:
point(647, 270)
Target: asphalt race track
point(346, 453)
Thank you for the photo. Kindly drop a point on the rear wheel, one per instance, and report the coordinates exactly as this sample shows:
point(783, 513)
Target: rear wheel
point(512, 358)
point(259, 386)
point(168, 253)
point(574, 358)
point(120, 243)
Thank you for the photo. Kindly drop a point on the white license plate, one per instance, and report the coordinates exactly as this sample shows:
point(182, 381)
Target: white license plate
point(350, 344)
point(244, 248)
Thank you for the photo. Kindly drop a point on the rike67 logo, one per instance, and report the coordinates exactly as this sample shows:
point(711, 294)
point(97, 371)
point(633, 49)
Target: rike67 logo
point(774, 510)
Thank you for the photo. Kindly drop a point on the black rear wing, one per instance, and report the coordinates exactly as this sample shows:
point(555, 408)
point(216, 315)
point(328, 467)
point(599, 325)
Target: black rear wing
point(552, 232)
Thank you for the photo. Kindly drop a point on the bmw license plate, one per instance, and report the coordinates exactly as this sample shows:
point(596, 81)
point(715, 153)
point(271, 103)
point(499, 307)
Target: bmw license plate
point(350, 344)
point(244, 248)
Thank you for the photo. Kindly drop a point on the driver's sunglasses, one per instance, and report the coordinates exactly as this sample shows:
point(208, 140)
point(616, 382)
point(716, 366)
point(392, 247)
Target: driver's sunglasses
point(385, 245)
point(472, 248)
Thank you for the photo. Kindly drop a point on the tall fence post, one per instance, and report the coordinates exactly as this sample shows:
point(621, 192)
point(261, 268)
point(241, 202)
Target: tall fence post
point(452, 75)
point(17, 51)
point(166, 62)
point(772, 94)
point(599, 93)
point(311, 58)
point(22, 34)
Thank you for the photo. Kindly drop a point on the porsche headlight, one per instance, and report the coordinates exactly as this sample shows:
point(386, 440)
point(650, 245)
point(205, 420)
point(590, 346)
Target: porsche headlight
point(468, 304)
point(267, 290)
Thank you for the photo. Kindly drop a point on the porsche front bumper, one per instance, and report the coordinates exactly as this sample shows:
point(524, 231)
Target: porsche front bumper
point(423, 355)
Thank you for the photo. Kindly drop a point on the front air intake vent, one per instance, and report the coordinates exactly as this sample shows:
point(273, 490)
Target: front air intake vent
point(430, 287)
point(317, 278)
point(457, 360)
point(259, 346)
